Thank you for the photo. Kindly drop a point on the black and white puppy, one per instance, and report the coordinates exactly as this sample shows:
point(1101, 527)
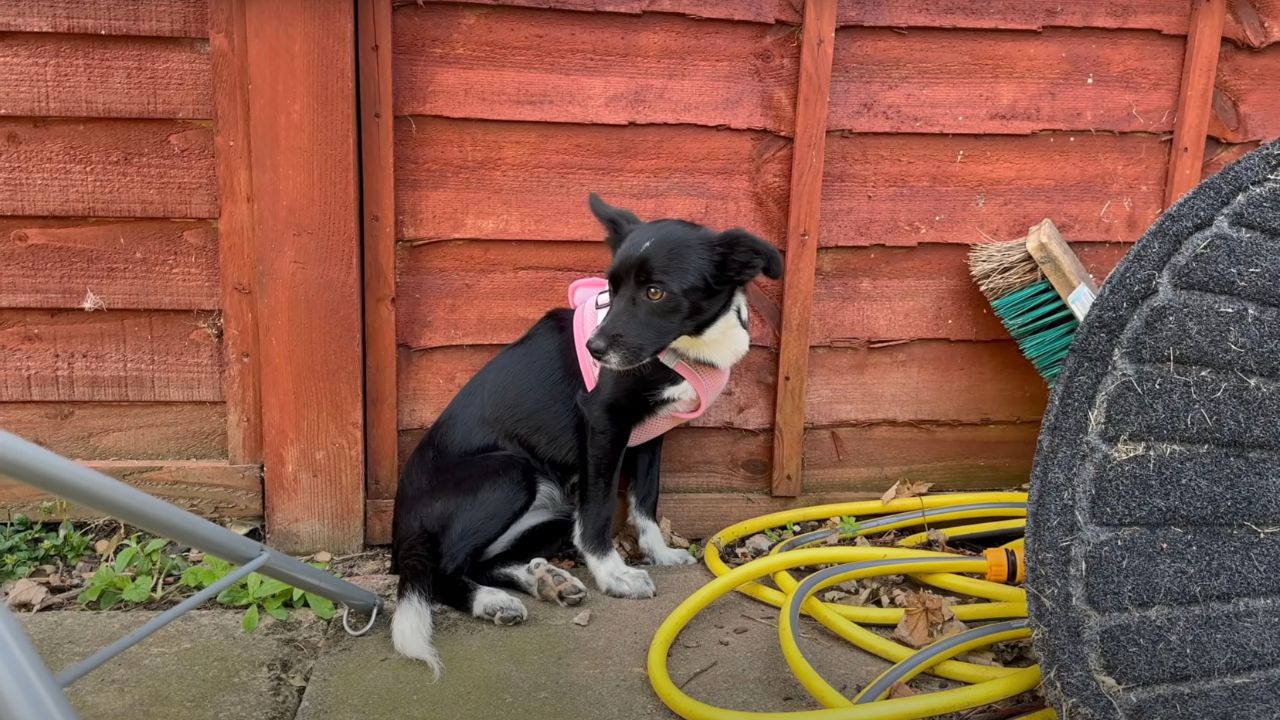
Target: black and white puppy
point(524, 459)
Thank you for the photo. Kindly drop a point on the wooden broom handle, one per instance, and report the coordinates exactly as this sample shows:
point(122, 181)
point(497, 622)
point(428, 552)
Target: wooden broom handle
point(1060, 265)
point(1056, 260)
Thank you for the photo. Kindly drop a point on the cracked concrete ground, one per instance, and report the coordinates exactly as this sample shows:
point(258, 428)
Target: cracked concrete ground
point(204, 667)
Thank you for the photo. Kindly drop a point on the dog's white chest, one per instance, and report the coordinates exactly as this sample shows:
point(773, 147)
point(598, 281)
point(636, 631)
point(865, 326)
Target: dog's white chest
point(680, 394)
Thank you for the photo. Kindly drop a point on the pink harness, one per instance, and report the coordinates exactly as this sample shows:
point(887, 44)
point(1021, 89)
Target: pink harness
point(589, 298)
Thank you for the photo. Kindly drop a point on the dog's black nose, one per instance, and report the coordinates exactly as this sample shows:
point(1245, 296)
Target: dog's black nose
point(597, 345)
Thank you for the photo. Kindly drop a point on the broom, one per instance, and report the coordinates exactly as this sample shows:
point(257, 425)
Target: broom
point(1039, 291)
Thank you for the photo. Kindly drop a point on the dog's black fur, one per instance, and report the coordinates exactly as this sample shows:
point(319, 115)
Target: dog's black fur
point(523, 438)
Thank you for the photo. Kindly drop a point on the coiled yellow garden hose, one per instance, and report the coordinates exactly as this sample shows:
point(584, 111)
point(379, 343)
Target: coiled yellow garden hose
point(991, 513)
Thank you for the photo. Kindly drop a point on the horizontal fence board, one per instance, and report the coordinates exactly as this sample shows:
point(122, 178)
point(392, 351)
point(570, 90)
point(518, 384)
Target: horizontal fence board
point(864, 457)
point(529, 181)
point(883, 293)
point(1246, 98)
point(428, 380)
point(490, 293)
point(1253, 23)
point(109, 356)
point(122, 431)
point(167, 18)
point(923, 381)
point(531, 65)
point(716, 460)
point(705, 468)
point(693, 515)
point(763, 11)
point(209, 489)
point(694, 459)
point(953, 81)
point(912, 189)
point(952, 457)
point(105, 77)
point(697, 516)
point(107, 168)
point(1166, 16)
point(119, 264)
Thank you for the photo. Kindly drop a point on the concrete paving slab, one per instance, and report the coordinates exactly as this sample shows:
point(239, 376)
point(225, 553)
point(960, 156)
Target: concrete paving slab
point(203, 666)
point(551, 668)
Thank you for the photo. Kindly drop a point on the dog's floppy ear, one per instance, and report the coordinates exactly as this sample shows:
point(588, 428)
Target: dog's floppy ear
point(742, 256)
point(616, 221)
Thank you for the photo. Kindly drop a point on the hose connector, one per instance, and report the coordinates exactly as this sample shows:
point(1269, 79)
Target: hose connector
point(1005, 565)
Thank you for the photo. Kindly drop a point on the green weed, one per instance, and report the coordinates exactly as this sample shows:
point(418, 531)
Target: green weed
point(26, 544)
point(256, 593)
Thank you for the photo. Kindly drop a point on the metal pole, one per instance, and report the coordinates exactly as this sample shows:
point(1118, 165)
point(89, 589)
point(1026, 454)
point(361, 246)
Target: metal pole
point(32, 464)
point(27, 688)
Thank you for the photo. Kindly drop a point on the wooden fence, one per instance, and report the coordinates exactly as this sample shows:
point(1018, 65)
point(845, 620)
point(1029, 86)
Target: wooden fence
point(250, 248)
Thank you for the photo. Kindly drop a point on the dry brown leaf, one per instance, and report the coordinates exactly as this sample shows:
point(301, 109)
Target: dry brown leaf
point(925, 614)
point(835, 596)
point(913, 629)
point(670, 537)
point(27, 594)
point(951, 627)
point(626, 544)
point(891, 493)
point(900, 690)
point(980, 657)
point(106, 547)
point(905, 489)
point(564, 564)
point(582, 619)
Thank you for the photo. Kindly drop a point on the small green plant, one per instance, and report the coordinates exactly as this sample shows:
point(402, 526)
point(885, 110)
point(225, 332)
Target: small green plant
point(256, 593)
point(26, 544)
point(137, 574)
point(785, 532)
point(848, 525)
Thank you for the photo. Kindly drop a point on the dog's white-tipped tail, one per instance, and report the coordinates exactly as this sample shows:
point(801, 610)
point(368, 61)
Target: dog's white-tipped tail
point(411, 630)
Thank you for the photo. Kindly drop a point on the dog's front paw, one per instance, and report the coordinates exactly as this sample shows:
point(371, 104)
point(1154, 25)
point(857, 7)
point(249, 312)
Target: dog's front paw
point(671, 556)
point(626, 582)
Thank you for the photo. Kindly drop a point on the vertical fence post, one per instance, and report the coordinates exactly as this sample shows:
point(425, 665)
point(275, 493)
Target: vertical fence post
point(377, 143)
point(817, 47)
point(1195, 98)
point(300, 57)
point(236, 257)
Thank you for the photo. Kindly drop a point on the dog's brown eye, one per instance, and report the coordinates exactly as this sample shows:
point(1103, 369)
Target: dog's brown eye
point(654, 293)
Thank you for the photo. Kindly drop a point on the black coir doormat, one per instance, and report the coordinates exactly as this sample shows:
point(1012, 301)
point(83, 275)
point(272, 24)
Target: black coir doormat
point(1154, 533)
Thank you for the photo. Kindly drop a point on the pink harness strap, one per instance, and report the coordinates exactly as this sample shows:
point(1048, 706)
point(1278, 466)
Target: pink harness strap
point(589, 298)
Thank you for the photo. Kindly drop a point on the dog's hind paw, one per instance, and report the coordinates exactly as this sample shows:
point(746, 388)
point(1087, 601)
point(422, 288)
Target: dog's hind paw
point(556, 585)
point(496, 605)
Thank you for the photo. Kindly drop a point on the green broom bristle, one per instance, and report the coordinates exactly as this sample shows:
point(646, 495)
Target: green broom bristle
point(1042, 325)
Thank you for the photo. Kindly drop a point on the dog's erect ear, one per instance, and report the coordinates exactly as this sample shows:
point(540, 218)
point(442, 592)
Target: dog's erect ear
point(742, 256)
point(616, 221)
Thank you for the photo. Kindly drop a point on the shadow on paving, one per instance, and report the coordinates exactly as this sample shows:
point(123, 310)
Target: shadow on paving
point(203, 666)
point(551, 668)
